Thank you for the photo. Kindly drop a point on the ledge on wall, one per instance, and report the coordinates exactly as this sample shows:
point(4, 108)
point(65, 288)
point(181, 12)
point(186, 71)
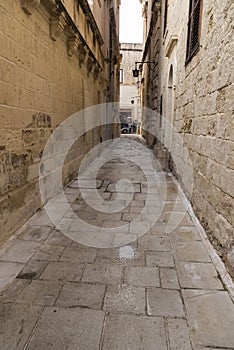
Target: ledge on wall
point(171, 44)
point(29, 5)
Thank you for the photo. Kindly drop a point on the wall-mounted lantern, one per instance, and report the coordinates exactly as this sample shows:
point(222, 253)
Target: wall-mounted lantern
point(136, 71)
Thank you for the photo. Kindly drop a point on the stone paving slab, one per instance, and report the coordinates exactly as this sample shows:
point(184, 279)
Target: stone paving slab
point(62, 271)
point(124, 332)
point(210, 317)
point(118, 256)
point(40, 293)
point(64, 328)
point(8, 272)
point(162, 259)
point(160, 244)
point(17, 322)
point(48, 253)
point(184, 234)
point(19, 251)
point(78, 255)
point(106, 274)
point(178, 333)
point(125, 299)
point(192, 251)
point(164, 302)
point(198, 276)
point(57, 238)
point(169, 279)
point(81, 294)
point(33, 269)
point(142, 276)
point(35, 233)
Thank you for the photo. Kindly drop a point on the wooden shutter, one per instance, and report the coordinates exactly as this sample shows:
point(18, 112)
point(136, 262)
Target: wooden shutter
point(165, 16)
point(193, 28)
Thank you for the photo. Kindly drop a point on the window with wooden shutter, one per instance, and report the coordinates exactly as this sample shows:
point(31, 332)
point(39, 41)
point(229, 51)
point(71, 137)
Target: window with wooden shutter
point(165, 16)
point(194, 24)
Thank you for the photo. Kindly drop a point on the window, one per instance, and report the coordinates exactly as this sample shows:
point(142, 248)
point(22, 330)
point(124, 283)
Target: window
point(121, 76)
point(165, 16)
point(194, 23)
point(161, 111)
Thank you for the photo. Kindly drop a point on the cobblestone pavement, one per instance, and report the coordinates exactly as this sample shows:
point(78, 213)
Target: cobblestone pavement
point(158, 292)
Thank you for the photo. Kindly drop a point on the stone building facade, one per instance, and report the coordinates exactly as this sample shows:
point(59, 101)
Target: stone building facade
point(57, 57)
point(191, 86)
point(129, 87)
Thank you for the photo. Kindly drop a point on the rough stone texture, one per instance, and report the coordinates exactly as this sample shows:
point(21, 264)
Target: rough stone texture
point(197, 98)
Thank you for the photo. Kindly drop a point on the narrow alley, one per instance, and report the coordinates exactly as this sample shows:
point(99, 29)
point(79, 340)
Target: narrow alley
point(116, 175)
point(155, 291)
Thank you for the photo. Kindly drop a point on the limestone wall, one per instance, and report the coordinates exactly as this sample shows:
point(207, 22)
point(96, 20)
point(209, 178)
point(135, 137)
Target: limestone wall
point(200, 106)
point(48, 70)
